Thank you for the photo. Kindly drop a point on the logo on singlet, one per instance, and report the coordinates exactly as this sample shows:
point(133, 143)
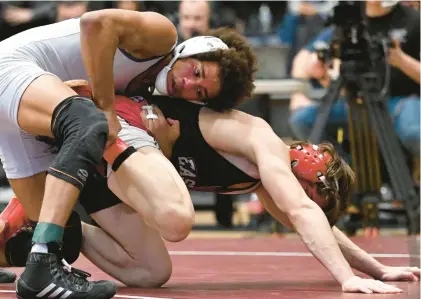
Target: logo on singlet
point(187, 170)
point(137, 99)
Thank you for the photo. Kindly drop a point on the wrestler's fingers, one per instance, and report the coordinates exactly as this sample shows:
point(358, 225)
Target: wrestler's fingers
point(158, 112)
point(173, 122)
point(76, 83)
point(175, 125)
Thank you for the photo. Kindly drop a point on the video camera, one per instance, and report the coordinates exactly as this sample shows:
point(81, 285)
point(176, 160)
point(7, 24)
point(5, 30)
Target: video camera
point(351, 41)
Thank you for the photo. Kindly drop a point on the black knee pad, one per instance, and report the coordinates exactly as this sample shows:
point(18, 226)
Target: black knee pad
point(81, 132)
point(19, 246)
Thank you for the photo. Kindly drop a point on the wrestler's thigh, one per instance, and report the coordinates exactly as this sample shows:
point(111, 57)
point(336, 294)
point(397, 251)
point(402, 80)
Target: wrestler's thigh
point(149, 183)
point(143, 244)
point(25, 161)
point(38, 102)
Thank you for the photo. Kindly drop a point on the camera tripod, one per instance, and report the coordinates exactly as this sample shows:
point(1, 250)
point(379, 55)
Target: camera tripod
point(370, 128)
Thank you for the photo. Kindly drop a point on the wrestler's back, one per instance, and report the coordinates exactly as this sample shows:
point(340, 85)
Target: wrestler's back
point(56, 48)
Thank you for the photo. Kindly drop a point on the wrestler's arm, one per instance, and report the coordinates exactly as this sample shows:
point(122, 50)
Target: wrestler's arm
point(356, 257)
point(251, 137)
point(142, 34)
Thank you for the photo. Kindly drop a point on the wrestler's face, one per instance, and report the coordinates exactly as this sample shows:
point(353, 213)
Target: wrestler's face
point(194, 80)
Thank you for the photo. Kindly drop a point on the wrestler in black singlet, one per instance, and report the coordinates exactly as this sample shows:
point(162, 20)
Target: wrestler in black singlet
point(200, 166)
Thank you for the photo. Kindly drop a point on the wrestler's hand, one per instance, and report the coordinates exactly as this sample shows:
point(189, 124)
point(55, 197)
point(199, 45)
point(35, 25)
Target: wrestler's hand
point(368, 286)
point(400, 274)
point(114, 126)
point(165, 130)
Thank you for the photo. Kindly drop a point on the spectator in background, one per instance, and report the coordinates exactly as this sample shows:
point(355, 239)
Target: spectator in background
point(68, 10)
point(18, 16)
point(302, 22)
point(193, 18)
point(197, 17)
point(128, 5)
point(404, 89)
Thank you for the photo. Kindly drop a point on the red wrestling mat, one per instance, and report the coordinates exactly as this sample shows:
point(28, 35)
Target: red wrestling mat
point(257, 268)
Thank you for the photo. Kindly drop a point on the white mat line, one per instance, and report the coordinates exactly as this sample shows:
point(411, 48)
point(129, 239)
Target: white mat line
point(280, 254)
point(116, 296)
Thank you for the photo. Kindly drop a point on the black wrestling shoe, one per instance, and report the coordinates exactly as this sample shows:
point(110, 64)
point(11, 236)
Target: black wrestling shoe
point(7, 276)
point(47, 276)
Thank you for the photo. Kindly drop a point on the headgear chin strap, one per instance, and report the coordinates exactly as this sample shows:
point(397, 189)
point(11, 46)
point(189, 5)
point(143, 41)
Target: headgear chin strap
point(192, 46)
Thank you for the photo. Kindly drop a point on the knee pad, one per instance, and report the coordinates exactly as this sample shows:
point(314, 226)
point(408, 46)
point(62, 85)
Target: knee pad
point(19, 246)
point(81, 132)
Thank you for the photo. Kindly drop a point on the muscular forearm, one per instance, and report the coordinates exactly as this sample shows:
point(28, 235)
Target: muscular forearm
point(98, 48)
point(312, 226)
point(356, 257)
point(410, 67)
point(305, 215)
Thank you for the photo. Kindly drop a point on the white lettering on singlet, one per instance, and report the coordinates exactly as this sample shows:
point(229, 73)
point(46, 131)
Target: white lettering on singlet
point(187, 170)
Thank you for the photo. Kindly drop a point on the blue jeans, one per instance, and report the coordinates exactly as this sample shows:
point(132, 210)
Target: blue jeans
point(405, 113)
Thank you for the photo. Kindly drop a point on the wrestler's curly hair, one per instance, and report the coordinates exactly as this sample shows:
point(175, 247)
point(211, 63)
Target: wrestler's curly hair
point(238, 65)
point(336, 199)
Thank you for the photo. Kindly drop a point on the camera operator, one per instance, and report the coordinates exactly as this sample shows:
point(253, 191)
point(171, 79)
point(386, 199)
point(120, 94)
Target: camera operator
point(400, 22)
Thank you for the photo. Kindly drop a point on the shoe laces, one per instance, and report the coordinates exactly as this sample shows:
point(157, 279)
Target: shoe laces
point(75, 275)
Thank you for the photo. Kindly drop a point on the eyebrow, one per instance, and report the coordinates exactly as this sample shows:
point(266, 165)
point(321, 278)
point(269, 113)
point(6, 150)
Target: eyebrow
point(204, 77)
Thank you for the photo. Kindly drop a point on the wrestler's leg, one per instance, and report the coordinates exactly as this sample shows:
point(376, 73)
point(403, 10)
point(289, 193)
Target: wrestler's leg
point(50, 108)
point(30, 192)
point(149, 183)
point(126, 248)
point(35, 116)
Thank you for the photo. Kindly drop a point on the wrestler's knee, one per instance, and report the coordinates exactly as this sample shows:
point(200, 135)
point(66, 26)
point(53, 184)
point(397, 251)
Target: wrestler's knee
point(148, 278)
point(81, 132)
point(176, 220)
point(137, 274)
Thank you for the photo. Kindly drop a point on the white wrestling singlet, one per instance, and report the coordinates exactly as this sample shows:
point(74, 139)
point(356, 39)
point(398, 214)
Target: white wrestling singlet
point(48, 50)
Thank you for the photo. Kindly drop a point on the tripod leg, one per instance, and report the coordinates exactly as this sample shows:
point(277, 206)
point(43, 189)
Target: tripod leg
point(394, 159)
point(324, 110)
point(364, 164)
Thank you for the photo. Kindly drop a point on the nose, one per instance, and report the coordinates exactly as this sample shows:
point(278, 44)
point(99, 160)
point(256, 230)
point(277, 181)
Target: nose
point(188, 83)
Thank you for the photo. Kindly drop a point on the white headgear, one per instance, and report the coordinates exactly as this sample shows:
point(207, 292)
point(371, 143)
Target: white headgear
point(192, 46)
point(389, 3)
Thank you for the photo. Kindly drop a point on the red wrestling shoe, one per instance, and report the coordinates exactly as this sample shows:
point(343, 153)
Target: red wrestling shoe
point(12, 220)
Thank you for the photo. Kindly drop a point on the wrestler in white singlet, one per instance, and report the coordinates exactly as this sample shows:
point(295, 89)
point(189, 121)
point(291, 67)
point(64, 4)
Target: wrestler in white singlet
point(56, 50)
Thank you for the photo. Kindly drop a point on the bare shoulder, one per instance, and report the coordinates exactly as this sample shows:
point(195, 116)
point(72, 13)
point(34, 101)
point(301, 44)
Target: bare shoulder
point(140, 33)
point(237, 132)
point(209, 116)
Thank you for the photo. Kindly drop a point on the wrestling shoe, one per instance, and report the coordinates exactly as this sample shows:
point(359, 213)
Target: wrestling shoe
point(46, 275)
point(12, 220)
point(7, 276)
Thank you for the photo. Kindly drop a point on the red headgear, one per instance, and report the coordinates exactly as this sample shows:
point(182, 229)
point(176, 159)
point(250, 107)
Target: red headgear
point(308, 163)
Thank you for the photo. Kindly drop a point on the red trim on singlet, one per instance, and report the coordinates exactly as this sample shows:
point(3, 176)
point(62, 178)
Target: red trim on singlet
point(130, 109)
